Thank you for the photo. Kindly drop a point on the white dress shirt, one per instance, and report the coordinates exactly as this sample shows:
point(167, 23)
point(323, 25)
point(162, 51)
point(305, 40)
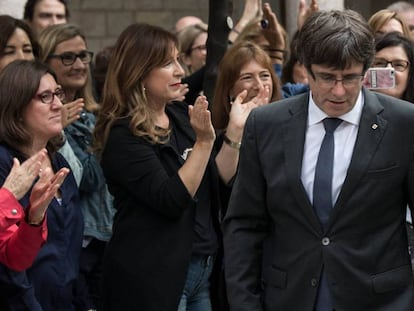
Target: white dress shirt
point(345, 136)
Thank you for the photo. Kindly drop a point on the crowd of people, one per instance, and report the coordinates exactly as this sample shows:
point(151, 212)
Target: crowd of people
point(198, 170)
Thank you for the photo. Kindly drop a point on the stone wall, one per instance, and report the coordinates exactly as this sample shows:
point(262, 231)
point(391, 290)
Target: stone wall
point(12, 7)
point(104, 20)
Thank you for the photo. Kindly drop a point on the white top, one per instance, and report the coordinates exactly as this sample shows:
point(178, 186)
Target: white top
point(345, 136)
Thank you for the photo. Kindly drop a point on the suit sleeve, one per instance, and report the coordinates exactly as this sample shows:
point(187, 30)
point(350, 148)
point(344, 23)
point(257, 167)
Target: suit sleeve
point(246, 226)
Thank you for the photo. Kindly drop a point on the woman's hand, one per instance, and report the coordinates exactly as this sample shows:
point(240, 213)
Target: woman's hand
point(183, 91)
point(273, 31)
point(240, 111)
point(200, 119)
point(305, 11)
point(22, 176)
point(252, 10)
point(43, 192)
point(71, 111)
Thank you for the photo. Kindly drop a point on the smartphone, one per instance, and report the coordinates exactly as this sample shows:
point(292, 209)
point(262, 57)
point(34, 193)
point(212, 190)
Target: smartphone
point(379, 78)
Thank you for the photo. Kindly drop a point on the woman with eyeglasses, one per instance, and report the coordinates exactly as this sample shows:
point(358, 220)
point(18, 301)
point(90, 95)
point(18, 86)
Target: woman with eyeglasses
point(29, 123)
point(396, 50)
point(65, 50)
point(193, 50)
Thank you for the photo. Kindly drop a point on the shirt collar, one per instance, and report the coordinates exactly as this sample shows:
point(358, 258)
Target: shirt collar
point(316, 115)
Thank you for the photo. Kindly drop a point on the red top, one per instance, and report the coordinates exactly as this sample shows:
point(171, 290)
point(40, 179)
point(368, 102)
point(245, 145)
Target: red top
point(19, 241)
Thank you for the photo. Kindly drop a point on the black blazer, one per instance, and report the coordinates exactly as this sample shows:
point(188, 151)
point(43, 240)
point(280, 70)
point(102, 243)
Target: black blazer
point(146, 260)
point(364, 249)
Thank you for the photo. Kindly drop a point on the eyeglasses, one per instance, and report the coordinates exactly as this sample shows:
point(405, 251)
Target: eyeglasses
point(47, 97)
point(200, 48)
point(327, 80)
point(68, 58)
point(398, 64)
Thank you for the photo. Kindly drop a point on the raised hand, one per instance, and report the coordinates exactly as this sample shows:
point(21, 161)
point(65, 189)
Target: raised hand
point(305, 11)
point(273, 32)
point(183, 91)
point(43, 192)
point(200, 119)
point(22, 176)
point(71, 111)
point(240, 111)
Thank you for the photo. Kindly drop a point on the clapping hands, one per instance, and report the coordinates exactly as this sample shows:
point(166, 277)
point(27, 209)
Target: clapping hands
point(200, 119)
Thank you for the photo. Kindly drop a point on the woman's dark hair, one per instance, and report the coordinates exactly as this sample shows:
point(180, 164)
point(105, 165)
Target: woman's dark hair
point(19, 82)
point(8, 25)
point(287, 71)
point(392, 39)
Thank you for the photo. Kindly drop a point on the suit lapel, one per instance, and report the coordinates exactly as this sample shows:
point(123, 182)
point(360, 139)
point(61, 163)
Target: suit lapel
point(294, 140)
point(371, 130)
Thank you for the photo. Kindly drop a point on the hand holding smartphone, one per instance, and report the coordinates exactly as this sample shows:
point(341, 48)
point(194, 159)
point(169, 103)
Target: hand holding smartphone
point(379, 78)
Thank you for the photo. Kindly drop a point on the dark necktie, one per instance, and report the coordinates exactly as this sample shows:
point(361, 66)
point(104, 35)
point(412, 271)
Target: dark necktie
point(322, 185)
point(322, 200)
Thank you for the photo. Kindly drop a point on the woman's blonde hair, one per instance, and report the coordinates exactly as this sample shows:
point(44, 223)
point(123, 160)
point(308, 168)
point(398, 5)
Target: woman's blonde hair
point(140, 48)
point(53, 35)
point(380, 18)
point(186, 39)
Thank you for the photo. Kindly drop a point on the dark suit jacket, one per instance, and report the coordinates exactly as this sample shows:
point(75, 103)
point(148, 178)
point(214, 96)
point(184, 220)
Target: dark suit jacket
point(364, 248)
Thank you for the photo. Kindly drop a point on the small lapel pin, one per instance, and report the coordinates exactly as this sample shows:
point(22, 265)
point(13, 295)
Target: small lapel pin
point(374, 126)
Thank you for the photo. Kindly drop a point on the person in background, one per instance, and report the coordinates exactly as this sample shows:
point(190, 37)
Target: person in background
point(266, 31)
point(293, 71)
point(29, 123)
point(100, 68)
point(157, 156)
point(193, 50)
point(186, 21)
point(385, 21)
point(20, 235)
point(246, 80)
point(40, 14)
point(406, 10)
point(64, 49)
point(16, 41)
point(397, 51)
point(316, 215)
point(247, 69)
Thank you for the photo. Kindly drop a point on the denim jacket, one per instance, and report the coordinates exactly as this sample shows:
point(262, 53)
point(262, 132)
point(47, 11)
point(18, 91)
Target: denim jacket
point(96, 202)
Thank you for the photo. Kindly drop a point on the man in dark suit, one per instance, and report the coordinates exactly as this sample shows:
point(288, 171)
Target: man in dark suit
point(316, 219)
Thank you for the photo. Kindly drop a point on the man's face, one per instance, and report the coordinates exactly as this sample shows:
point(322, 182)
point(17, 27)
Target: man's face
point(46, 13)
point(335, 91)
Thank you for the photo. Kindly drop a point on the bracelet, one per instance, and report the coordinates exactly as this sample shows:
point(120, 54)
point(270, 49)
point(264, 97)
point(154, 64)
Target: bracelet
point(235, 31)
point(232, 144)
